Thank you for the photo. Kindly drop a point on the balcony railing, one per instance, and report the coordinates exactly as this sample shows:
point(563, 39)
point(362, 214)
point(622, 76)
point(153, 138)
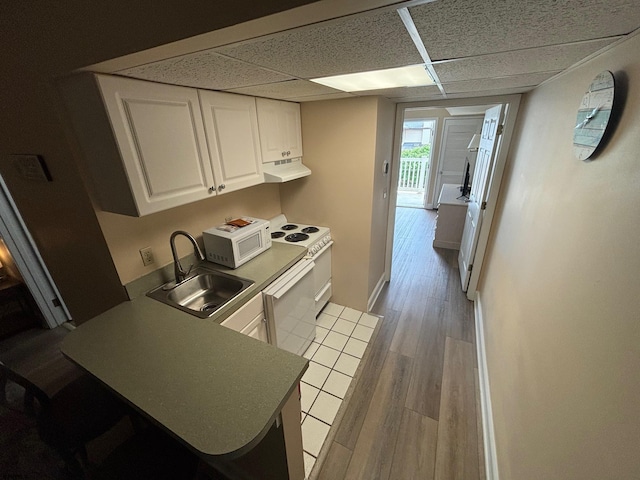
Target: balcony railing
point(413, 172)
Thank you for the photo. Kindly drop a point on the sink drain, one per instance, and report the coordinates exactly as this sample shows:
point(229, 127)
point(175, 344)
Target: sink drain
point(209, 307)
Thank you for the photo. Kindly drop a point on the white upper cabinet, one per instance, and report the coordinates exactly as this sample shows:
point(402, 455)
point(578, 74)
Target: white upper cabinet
point(231, 126)
point(144, 143)
point(150, 147)
point(280, 129)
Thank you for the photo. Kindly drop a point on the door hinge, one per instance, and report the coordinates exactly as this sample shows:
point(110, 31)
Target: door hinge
point(56, 302)
point(483, 206)
point(500, 129)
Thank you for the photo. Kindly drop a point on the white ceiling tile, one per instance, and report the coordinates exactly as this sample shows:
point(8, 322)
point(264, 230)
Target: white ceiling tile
point(204, 70)
point(534, 60)
point(490, 93)
point(315, 98)
point(429, 90)
point(485, 84)
point(460, 28)
point(369, 41)
point(288, 89)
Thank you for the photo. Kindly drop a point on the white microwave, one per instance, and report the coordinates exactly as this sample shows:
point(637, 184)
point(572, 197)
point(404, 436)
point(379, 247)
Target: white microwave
point(232, 246)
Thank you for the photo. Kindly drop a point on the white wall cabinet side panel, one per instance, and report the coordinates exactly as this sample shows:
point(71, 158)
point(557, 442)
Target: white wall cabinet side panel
point(160, 135)
point(231, 125)
point(280, 129)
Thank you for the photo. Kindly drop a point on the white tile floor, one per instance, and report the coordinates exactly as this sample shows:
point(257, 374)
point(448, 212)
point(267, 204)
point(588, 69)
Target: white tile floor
point(342, 335)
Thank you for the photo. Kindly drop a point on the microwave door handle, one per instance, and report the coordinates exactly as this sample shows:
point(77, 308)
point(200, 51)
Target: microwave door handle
point(292, 281)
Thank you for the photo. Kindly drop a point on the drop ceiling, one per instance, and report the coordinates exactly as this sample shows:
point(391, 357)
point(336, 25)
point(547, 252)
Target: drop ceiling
point(475, 48)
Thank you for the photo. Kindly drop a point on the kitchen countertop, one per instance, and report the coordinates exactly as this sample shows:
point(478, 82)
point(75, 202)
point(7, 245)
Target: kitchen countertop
point(216, 390)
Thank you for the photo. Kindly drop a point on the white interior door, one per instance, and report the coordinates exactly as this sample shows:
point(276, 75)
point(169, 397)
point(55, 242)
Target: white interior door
point(479, 189)
point(456, 135)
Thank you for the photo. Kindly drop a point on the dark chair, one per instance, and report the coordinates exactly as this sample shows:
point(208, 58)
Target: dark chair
point(150, 454)
point(77, 413)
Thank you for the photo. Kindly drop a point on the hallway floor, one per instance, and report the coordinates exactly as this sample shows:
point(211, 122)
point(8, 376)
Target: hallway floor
point(411, 410)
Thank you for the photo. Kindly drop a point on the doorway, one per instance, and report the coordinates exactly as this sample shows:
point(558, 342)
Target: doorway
point(415, 159)
point(440, 110)
point(30, 298)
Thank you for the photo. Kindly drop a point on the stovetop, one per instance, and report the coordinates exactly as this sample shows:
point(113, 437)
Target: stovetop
point(311, 236)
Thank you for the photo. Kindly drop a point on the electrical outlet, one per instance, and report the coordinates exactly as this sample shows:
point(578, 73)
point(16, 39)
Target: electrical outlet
point(147, 255)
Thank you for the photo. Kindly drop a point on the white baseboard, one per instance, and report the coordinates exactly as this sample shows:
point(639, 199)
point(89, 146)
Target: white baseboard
point(376, 292)
point(488, 434)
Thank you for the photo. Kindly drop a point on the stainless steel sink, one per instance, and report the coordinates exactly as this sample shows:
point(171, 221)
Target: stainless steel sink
point(202, 293)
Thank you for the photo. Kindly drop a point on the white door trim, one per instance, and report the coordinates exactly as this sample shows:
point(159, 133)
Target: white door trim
point(28, 260)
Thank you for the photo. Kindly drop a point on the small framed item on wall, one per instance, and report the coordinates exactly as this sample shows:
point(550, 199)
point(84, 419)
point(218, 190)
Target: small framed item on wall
point(32, 167)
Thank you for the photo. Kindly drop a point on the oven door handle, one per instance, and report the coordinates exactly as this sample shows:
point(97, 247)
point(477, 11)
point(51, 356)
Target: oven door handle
point(290, 283)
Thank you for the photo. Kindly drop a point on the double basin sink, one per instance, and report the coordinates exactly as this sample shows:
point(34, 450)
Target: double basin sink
point(202, 293)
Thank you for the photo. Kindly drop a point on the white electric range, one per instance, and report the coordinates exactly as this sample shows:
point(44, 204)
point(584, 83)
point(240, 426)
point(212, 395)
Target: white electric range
point(295, 299)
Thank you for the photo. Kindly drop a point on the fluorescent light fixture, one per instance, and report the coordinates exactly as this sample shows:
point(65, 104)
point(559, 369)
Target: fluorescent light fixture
point(410, 76)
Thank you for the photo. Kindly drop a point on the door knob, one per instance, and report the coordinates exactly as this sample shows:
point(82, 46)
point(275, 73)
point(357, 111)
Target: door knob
point(222, 187)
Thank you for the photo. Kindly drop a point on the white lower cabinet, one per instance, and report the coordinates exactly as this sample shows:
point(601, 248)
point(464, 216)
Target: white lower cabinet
point(250, 319)
point(150, 147)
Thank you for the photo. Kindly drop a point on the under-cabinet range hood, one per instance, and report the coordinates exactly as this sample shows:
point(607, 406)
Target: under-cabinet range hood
point(284, 170)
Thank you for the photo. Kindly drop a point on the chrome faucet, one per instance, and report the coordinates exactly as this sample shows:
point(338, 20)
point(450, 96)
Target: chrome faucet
point(177, 268)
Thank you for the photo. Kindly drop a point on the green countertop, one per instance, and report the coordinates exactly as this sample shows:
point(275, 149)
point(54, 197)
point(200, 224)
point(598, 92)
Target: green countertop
point(214, 389)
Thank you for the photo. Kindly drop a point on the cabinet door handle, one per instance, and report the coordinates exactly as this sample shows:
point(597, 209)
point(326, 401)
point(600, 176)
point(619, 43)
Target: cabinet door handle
point(222, 187)
point(284, 154)
point(288, 152)
point(212, 189)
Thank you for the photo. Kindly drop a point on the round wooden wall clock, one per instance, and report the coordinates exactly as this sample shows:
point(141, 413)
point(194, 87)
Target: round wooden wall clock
point(594, 115)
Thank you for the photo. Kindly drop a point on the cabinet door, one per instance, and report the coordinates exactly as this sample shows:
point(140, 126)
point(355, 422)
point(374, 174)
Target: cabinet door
point(245, 315)
point(257, 329)
point(160, 135)
point(280, 130)
point(291, 129)
point(231, 126)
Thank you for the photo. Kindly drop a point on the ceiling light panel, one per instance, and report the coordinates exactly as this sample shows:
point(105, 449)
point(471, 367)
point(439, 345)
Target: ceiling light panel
point(371, 41)
point(492, 26)
point(410, 76)
point(534, 60)
point(205, 69)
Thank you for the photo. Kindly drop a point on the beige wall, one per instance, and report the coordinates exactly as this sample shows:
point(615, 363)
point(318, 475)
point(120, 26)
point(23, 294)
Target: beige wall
point(41, 41)
point(127, 235)
point(559, 293)
point(340, 149)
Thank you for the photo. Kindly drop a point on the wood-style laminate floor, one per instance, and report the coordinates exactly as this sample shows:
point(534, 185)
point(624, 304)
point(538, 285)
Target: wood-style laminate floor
point(412, 412)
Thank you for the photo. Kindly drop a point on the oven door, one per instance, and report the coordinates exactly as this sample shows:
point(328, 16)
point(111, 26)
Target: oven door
point(290, 308)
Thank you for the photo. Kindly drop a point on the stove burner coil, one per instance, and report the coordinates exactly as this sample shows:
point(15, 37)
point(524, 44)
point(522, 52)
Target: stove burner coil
point(296, 237)
point(310, 230)
point(278, 234)
point(289, 226)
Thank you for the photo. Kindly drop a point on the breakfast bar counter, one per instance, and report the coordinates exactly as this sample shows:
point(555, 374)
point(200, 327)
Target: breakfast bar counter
point(215, 390)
